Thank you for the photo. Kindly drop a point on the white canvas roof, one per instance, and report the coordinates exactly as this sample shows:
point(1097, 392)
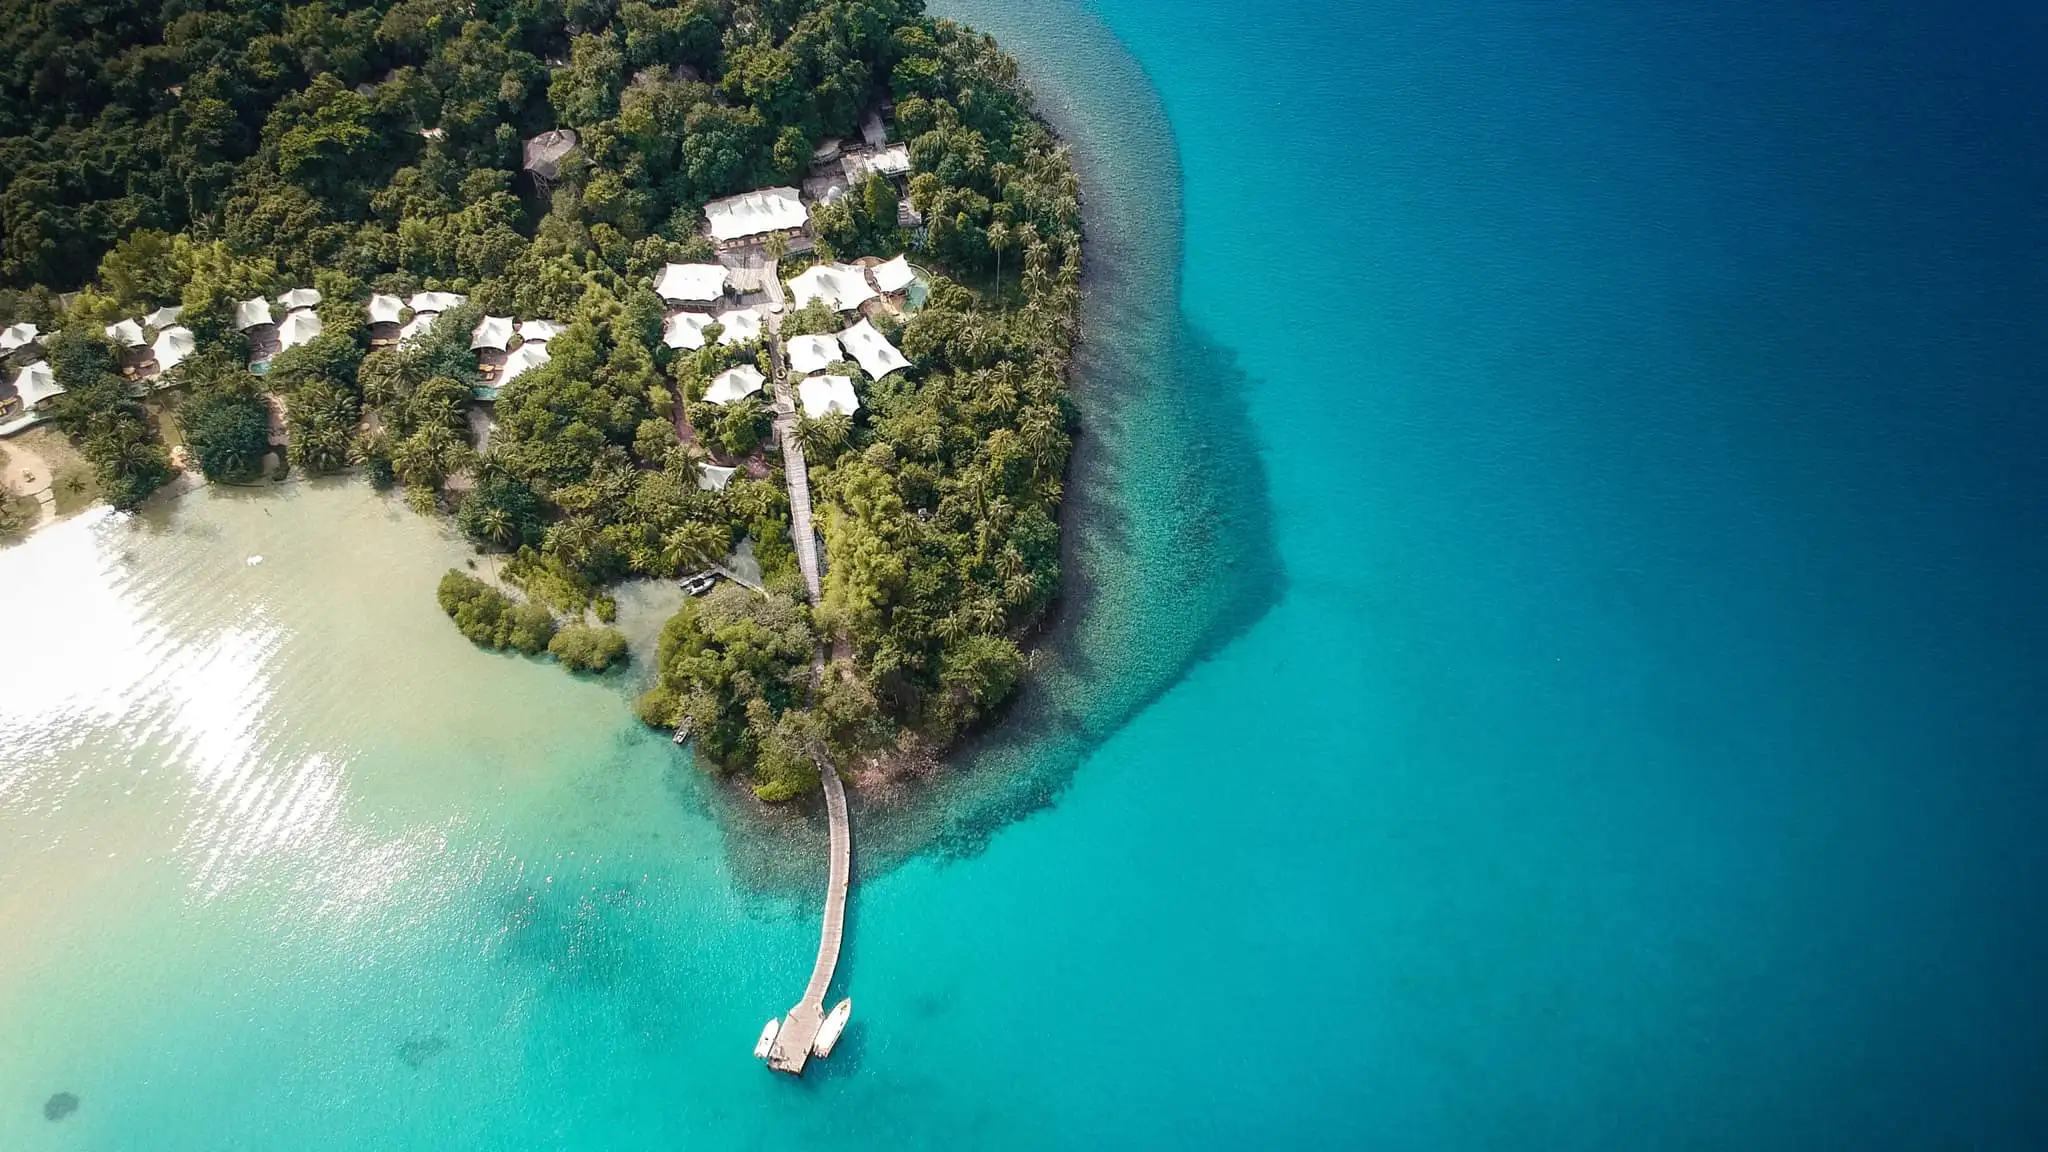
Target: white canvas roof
point(827, 394)
point(252, 313)
point(299, 298)
point(741, 325)
point(415, 326)
point(36, 383)
point(298, 328)
point(877, 356)
point(173, 345)
point(491, 332)
point(127, 334)
point(732, 384)
point(539, 331)
point(164, 317)
point(529, 355)
point(18, 335)
point(437, 301)
point(712, 478)
point(891, 161)
point(752, 213)
point(893, 275)
point(386, 309)
point(809, 354)
point(685, 329)
point(694, 282)
point(840, 285)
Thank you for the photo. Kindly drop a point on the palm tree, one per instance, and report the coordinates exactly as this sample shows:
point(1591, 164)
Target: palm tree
point(495, 525)
point(999, 239)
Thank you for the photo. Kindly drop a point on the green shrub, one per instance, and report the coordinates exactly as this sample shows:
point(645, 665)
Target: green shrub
point(586, 649)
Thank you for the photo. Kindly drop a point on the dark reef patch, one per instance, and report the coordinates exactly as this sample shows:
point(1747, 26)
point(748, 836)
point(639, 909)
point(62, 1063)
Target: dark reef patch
point(59, 1105)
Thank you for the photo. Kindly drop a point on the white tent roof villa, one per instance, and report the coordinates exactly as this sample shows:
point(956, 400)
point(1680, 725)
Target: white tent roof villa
point(539, 331)
point(18, 336)
point(691, 282)
point(712, 478)
point(36, 383)
point(840, 285)
point(532, 354)
point(877, 356)
point(827, 394)
point(164, 317)
point(493, 332)
point(741, 325)
point(415, 326)
point(685, 329)
point(437, 301)
point(298, 328)
point(809, 354)
point(893, 275)
point(386, 309)
point(252, 313)
point(732, 384)
point(752, 213)
point(299, 298)
point(173, 345)
point(127, 334)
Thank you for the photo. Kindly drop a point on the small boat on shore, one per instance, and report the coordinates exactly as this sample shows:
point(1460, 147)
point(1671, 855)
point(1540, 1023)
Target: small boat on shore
point(767, 1039)
point(835, 1023)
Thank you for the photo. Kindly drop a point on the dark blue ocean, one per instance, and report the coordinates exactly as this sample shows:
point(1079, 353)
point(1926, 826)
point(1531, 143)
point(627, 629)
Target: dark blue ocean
point(1557, 661)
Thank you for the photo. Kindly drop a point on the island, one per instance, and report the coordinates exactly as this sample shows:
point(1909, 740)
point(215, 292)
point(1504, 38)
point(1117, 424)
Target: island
point(775, 299)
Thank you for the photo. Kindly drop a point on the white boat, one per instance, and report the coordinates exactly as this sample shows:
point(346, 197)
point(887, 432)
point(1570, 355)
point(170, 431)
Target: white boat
point(828, 1033)
point(767, 1039)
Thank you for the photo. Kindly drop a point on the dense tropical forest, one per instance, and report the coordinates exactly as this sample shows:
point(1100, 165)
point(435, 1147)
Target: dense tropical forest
point(194, 153)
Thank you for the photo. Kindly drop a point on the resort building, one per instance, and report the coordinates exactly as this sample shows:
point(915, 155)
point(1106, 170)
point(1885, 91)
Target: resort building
point(386, 309)
point(732, 384)
point(893, 276)
point(492, 332)
point(174, 345)
point(126, 334)
point(808, 354)
point(298, 328)
point(842, 286)
point(435, 301)
point(825, 395)
point(531, 354)
point(712, 478)
point(36, 385)
point(892, 161)
point(163, 317)
point(757, 213)
point(741, 325)
point(17, 336)
point(539, 331)
point(877, 356)
point(299, 298)
point(686, 329)
point(691, 283)
point(252, 313)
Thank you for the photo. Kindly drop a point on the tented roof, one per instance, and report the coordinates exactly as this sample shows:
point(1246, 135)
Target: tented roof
point(415, 326)
point(36, 383)
point(823, 395)
point(529, 355)
point(298, 328)
point(732, 384)
point(437, 301)
point(539, 331)
point(543, 154)
point(18, 335)
point(685, 329)
point(493, 332)
point(893, 275)
point(752, 213)
point(696, 282)
point(741, 325)
point(877, 356)
point(127, 334)
point(809, 354)
point(164, 317)
point(252, 313)
point(386, 309)
point(299, 298)
point(840, 285)
point(173, 345)
point(712, 478)
point(891, 161)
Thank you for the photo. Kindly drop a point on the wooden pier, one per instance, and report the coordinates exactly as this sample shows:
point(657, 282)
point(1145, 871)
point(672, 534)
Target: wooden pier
point(792, 1047)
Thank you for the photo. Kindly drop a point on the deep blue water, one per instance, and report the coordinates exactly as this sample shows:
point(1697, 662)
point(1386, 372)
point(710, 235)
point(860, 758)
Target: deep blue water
point(1617, 722)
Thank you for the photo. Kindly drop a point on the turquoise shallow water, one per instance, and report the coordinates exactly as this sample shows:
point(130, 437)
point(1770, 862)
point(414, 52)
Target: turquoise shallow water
point(1611, 440)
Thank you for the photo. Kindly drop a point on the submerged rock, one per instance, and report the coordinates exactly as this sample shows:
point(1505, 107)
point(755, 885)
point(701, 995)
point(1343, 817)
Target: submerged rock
point(418, 1051)
point(59, 1106)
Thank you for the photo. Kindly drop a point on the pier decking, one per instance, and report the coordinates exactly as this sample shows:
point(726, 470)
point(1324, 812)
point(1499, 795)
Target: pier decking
point(792, 1047)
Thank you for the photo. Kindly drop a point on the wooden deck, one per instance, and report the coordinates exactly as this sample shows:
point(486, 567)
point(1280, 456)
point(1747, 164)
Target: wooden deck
point(792, 1048)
